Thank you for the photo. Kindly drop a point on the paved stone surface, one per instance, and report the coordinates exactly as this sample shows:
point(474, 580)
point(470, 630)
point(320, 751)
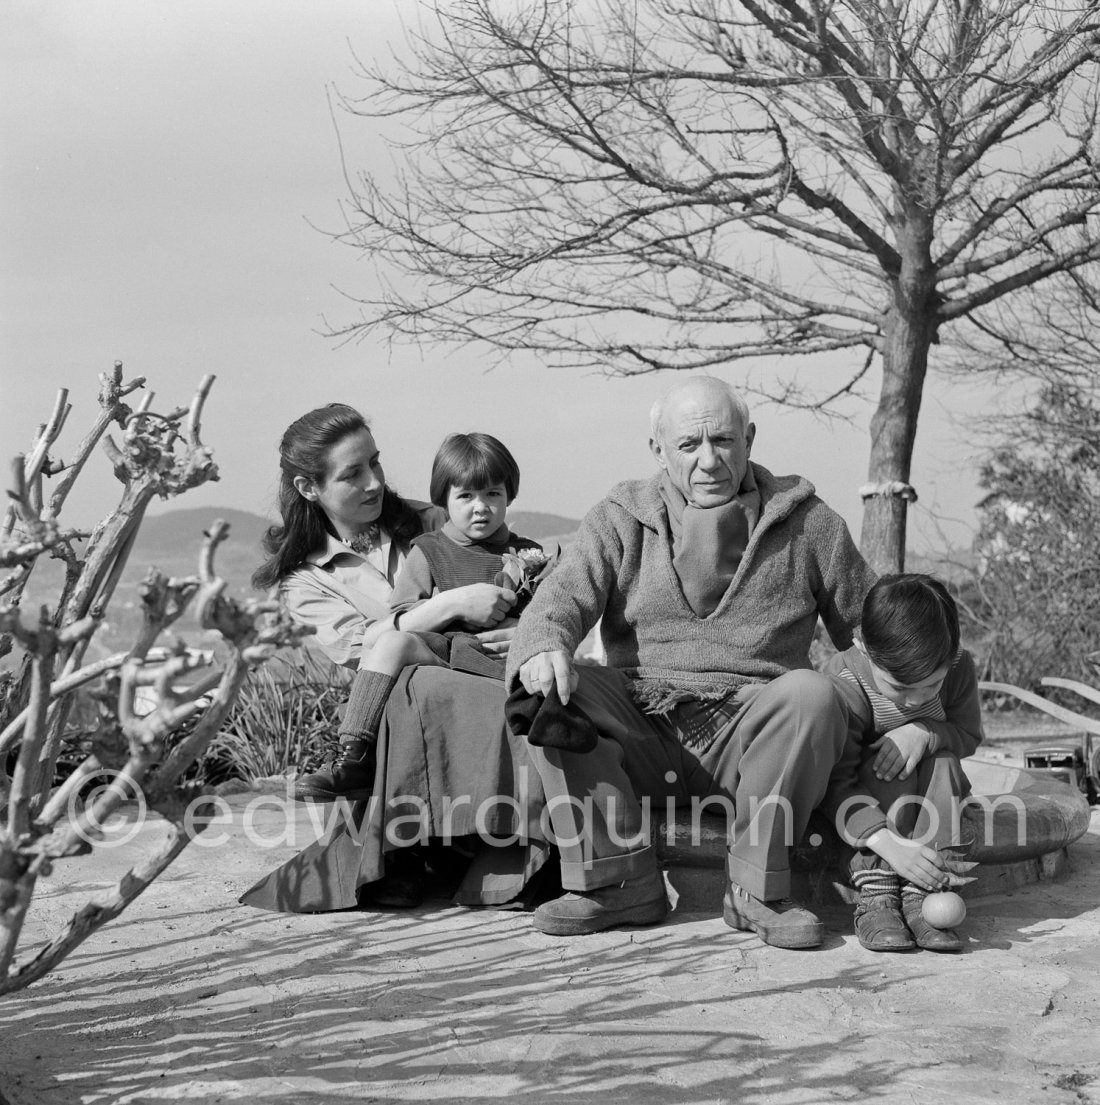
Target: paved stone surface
point(192, 997)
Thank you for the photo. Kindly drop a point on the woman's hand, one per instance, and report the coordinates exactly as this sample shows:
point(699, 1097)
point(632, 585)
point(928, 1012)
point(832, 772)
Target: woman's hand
point(482, 604)
point(899, 751)
point(497, 641)
point(915, 863)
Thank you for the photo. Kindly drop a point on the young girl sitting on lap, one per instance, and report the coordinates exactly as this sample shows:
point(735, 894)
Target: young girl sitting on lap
point(914, 695)
point(474, 479)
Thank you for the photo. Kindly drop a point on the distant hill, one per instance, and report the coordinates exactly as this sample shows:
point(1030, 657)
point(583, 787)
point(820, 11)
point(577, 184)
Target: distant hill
point(171, 542)
point(176, 527)
point(534, 524)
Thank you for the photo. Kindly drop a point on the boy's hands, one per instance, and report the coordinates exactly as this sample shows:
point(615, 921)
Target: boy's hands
point(929, 868)
point(899, 751)
point(916, 863)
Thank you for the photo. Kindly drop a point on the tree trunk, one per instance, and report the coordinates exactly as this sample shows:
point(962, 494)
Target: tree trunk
point(910, 331)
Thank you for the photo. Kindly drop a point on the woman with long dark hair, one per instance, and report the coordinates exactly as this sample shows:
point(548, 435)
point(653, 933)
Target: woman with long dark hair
point(341, 524)
point(333, 560)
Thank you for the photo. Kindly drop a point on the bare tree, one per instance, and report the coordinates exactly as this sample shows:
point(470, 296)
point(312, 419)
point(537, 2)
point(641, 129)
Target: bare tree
point(1049, 331)
point(652, 184)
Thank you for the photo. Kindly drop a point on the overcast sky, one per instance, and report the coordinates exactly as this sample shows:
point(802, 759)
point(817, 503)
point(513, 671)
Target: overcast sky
point(165, 168)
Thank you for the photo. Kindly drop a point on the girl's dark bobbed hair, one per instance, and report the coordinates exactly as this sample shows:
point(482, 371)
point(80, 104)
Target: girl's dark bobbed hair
point(474, 461)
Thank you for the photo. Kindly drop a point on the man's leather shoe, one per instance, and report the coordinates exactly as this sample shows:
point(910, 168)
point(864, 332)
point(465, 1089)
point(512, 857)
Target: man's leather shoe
point(928, 936)
point(880, 925)
point(350, 775)
point(638, 901)
point(782, 923)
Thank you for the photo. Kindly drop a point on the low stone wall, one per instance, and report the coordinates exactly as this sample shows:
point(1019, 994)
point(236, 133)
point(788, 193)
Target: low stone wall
point(1022, 834)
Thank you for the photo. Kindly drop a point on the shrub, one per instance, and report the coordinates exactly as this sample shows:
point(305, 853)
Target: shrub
point(284, 720)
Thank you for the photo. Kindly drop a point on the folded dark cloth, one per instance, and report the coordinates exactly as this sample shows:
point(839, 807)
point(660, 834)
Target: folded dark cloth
point(549, 724)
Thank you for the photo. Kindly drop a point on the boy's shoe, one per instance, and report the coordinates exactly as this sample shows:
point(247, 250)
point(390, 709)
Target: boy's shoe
point(928, 936)
point(350, 775)
point(638, 901)
point(782, 923)
point(879, 924)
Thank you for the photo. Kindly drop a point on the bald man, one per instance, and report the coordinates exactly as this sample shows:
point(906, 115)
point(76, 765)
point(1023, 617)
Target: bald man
point(707, 580)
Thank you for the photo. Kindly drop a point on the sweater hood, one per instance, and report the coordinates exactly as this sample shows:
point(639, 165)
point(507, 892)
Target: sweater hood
point(779, 495)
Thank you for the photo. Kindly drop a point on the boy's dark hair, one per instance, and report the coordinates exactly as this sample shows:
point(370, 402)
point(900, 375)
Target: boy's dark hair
point(474, 461)
point(910, 626)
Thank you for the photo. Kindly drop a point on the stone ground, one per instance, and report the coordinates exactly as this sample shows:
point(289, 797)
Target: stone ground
point(190, 996)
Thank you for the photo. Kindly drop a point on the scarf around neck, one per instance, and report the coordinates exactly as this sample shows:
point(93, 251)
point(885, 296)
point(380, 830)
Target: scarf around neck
point(708, 543)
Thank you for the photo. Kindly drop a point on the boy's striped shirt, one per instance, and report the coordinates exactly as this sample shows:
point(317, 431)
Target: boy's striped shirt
point(887, 714)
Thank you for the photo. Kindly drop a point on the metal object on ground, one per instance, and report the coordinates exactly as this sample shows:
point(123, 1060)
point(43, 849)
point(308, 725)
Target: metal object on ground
point(1077, 759)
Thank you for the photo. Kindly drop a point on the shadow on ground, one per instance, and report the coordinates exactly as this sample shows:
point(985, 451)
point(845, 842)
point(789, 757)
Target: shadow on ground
point(416, 1002)
point(191, 996)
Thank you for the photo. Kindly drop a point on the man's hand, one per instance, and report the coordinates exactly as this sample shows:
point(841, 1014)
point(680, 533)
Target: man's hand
point(497, 641)
point(545, 669)
point(899, 751)
point(915, 863)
